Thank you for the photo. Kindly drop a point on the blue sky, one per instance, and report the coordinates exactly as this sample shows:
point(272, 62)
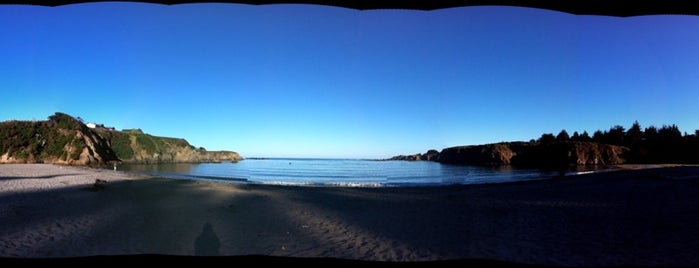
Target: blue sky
point(319, 81)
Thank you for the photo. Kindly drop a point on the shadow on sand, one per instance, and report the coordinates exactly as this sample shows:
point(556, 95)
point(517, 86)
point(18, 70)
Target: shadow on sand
point(207, 243)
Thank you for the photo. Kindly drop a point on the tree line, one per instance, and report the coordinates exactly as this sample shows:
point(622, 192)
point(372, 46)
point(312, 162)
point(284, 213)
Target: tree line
point(666, 144)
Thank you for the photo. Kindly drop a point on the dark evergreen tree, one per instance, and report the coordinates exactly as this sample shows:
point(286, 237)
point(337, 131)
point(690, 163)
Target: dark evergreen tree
point(598, 136)
point(585, 137)
point(634, 135)
point(547, 138)
point(562, 136)
point(650, 134)
point(693, 147)
point(670, 133)
point(669, 147)
point(575, 137)
point(616, 135)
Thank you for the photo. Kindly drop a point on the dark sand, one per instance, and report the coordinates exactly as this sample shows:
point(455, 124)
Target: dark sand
point(628, 217)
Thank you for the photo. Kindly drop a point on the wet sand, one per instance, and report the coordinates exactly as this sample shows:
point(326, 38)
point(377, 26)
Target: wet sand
point(634, 216)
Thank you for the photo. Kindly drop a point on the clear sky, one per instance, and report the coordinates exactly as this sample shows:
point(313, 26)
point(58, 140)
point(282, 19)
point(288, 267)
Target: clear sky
point(319, 81)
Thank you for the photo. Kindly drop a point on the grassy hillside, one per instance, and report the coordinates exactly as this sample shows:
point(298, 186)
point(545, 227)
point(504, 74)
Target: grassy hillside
point(135, 146)
point(62, 139)
point(66, 140)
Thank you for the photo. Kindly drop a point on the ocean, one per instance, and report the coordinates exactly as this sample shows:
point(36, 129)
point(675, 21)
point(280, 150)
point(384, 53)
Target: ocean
point(340, 172)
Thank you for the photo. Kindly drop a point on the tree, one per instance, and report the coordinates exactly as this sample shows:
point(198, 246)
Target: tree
point(598, 136)
point(547, 138)
point(670, 133)
point(651, 133)
point(634, 135)
point(562, 136)
point(616, 135)
point(669, 144)
point(585, 137)
point(575, 137)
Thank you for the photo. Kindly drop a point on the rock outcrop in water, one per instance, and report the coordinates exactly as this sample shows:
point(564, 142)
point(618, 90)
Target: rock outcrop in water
point(66, 140)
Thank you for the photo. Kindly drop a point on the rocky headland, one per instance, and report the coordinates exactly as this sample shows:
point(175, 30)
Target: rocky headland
point(526, 154)
point(63, 139)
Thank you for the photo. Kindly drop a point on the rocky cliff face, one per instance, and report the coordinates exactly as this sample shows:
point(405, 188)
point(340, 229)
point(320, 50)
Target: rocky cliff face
point(568, 154)
point(60, 140)
point(134, 146)
point(65, 140)
point(528, 154)
point(430, 155)
point(488, 154)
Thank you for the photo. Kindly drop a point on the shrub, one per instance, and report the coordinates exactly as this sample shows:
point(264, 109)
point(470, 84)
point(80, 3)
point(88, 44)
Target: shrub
point(64, 121)
point(121, 144)
point(146, 142)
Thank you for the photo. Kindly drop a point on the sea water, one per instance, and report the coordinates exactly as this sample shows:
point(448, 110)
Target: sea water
point(340, 172)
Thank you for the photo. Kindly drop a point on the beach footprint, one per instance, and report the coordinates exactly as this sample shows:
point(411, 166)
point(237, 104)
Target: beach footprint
point(207, 243)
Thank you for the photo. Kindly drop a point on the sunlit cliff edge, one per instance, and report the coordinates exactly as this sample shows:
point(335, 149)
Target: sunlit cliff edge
point(63, 139)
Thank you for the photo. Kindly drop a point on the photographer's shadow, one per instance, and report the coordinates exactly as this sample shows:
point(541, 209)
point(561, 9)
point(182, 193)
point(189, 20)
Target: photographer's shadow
point(207, 243)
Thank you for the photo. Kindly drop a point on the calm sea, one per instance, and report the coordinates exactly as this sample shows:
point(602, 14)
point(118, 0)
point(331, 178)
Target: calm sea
point(340, 172)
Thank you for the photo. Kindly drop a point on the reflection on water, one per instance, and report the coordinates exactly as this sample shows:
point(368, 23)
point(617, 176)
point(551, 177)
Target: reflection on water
point(170, 170)
point(182, 168)
point(345, 172)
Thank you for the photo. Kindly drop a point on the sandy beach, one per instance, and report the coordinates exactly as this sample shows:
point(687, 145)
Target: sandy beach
point(634, 216)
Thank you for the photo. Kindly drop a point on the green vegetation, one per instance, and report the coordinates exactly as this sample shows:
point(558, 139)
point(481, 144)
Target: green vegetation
point(146, 142)
point(175, 142)
point(46, 139)
point(55, 142)
point(132, 131)
point(15, 135)
point(64, 138)
point(78, 145)
point(159, 143)
point(121, 145)
point(126, 150)
point(64, 121)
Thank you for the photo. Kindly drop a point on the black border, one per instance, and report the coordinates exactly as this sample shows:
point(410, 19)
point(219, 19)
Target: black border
point(578, 7)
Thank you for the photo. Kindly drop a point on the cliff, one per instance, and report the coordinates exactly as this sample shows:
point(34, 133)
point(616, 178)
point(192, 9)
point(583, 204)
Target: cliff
point(430, 155)
point(60, 140)
point(65, 140)
point(134, 146)
point(527, 154)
